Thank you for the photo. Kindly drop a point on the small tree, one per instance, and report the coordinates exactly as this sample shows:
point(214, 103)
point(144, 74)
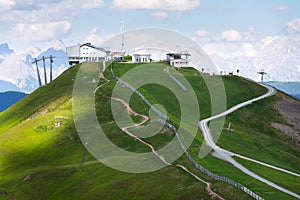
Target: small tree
point(127, 58)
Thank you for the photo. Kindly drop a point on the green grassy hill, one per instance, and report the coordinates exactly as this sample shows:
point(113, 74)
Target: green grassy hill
point(41, 155)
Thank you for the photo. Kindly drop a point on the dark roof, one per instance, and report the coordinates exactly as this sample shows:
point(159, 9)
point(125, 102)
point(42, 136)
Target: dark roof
point(178, 54)
point(92, 46)
point(88, 44)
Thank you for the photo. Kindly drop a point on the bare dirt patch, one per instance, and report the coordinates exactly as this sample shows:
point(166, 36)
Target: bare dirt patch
point(290, 111)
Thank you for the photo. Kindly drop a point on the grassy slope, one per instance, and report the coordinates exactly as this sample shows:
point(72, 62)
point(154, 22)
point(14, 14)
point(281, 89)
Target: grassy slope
point(37, 148)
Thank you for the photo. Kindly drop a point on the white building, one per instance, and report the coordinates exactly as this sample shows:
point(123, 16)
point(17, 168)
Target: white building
point(117, 55)
point(138, 58)
point(179, 59)
point(86, 53)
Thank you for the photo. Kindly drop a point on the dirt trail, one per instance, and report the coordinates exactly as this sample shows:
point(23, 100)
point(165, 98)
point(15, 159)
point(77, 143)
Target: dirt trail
point(101, 75)
point(145, 119)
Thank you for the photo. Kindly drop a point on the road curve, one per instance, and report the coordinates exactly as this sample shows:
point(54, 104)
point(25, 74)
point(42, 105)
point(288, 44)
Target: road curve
point(227, 155)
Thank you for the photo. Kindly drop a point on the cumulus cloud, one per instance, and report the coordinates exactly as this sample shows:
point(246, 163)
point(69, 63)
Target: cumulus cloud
point(41, 31)
point(250, 34)
point(37, 11)
point(40, 20)
point(202, 33)
point(178, 5)
point(91, 4)
point(293, 26)
point(249, 50)
point(6, 5)
point(160, 15)
point(282, 8)
point(231, 36)
point(96, 38)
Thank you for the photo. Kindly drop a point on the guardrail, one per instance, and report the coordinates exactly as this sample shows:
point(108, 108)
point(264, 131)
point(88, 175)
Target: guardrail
point(206, 171)
point(177, 82)
point(160, 114)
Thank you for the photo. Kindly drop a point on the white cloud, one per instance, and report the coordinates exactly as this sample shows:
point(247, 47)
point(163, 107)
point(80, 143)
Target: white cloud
point(250, 34)
point(282, 8)
point(249, 50)
point(178, 5)
point(91, 4)
point(95, 37)
point(293, 26)
point(40, 20)
point(231, 36)
point(160, 15)
point(202, 33)
point(41, 31)
point(37, 11)
point(6, 5)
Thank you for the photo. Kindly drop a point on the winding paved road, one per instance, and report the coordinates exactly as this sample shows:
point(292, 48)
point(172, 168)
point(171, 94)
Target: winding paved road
point(227, 155)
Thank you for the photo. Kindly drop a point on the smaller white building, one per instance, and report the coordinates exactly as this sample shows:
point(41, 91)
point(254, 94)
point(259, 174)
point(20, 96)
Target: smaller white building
point(179, 59)
point(86, 53)
point(117, 55)
point(139, 58)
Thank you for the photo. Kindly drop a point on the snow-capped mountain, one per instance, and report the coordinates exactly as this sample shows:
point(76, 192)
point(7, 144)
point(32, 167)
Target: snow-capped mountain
point(279, 57)
point(281, 60)
point(4, 49)
point(17, 73)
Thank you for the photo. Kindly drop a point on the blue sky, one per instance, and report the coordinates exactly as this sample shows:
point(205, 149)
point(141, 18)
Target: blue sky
point(25, 23)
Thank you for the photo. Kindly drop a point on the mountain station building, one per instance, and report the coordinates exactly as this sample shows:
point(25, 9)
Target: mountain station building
point(86, 53)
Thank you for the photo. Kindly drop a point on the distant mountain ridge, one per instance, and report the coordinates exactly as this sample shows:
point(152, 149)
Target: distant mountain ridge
point(277, 56)
point(7, 99)
point(19, 74)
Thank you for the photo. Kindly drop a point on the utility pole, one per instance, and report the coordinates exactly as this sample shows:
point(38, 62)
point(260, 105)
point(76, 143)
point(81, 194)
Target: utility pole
point(45, 74)
point(51, 61)
point(44, 66)
point(38, 72)
point(262, 73)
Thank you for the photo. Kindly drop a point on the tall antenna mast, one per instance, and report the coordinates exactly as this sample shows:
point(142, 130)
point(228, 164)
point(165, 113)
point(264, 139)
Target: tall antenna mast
point(122, 32)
